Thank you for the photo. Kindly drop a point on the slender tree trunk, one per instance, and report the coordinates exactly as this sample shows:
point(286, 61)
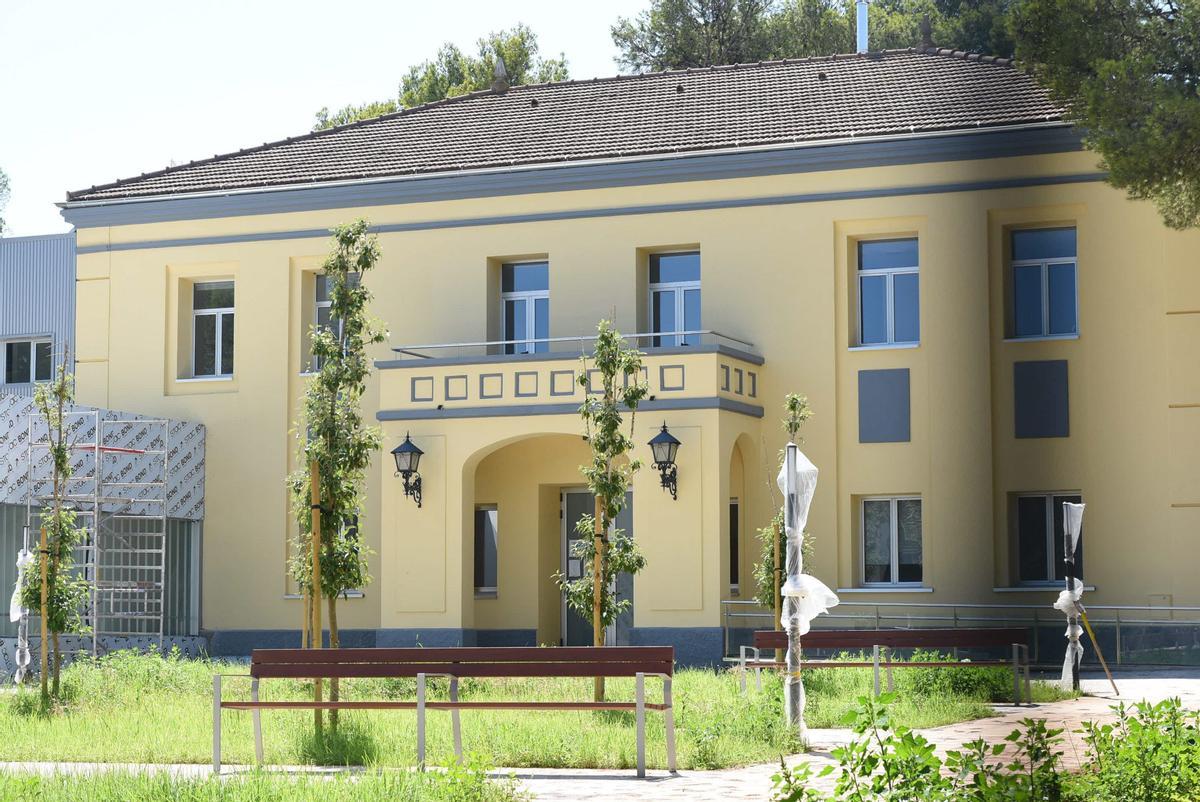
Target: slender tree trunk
point(334, 643)
point(316, 639)
point(598, 590)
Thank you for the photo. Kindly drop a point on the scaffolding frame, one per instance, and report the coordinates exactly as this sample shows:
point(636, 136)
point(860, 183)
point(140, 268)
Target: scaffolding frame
point(120, 501)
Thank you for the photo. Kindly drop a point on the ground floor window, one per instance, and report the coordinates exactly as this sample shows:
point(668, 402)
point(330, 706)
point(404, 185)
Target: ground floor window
point(734, 540)
point(486, 553)
point(891, 545)
point(1040, 547)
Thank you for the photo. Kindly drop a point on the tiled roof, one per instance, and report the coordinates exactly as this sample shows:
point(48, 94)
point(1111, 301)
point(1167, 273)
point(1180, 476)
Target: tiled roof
point(695, 110)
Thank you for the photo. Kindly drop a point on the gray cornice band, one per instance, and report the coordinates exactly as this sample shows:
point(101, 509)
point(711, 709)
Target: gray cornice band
point(952, 146)
point(418, 363)
point(520, 410)
point(619, 211)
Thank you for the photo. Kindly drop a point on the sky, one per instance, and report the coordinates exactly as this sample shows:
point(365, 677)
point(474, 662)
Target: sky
point(95, 90)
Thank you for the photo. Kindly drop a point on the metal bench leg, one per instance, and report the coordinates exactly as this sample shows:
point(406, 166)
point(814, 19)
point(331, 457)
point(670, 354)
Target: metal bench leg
point(1016, 665)
point(455, 724)
point(216, 724)
point(256, 714)
point(875, 660)
point(669, 721)
point(641, 724)
point(421, 721)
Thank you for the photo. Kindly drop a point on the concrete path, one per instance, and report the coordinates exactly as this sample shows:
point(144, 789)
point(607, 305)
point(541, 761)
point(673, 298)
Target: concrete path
point(753, 782)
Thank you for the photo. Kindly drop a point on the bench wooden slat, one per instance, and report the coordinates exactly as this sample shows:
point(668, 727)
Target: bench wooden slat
point(896, 638)
point(359, 670)
point(469, 654)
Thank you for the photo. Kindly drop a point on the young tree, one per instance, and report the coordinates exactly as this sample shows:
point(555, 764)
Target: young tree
point(603, 550)
point(772, 538)
point(53, 588)
point(452, 72)
point(333, 436)
point(1127, 71)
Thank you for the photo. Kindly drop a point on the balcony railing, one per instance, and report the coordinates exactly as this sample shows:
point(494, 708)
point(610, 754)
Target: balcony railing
point(573, 345)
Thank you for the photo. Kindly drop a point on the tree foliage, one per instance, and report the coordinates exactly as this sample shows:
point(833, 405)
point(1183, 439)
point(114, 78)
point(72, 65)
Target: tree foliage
point(608, 475)
point(66, 589)
point(677, 34)
point(1128, 72)
point(452, 72)
point(333, 432)
point(4, 194)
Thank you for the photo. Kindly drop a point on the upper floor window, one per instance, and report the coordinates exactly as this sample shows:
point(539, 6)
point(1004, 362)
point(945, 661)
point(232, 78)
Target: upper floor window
point(26, 361)
point(212, 328)
point(322, 317)
point(525, 307)
point(675, 298)
point(1040, 545)
point(892, 550)
point(1043, 283)
point(889, 302)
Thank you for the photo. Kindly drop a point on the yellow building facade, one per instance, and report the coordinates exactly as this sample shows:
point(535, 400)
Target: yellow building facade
point(964, 379)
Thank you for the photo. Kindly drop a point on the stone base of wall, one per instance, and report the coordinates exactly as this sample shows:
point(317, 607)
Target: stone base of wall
point(71, 646)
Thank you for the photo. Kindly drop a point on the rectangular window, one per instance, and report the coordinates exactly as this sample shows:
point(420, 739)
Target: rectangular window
point(27, 361)
point(675, 298)
point(1040, 546)
point(1043, 283)
point(889, 297)
point(486, 551)
point(525, 307)
point(734, 539)
point(892, 550)
point(212, 328)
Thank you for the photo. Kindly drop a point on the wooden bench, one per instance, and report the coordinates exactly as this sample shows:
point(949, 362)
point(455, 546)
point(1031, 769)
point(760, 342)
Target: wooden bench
point(884, 640)
point(456, 663)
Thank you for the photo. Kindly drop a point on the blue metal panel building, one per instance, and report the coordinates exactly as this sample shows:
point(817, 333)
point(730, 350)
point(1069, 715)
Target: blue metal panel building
point(37, 302)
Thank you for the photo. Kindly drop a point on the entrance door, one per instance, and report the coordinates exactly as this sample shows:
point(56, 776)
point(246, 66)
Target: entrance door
point(577, 629)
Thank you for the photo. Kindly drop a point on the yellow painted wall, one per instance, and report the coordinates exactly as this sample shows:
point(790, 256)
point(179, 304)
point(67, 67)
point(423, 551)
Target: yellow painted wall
point(775, 275)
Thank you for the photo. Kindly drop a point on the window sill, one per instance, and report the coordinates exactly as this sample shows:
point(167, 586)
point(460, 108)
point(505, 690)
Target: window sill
point(486, 594)
point(1041, 588)
point(1042, 339)
point(198, 379)
point(885, 347)
point(888, 589)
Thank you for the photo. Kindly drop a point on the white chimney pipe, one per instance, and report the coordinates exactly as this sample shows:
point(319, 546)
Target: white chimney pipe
point(862, 26)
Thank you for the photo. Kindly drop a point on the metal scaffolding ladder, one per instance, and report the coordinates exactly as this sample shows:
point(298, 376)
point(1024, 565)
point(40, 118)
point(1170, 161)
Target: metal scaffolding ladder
point(118, 492)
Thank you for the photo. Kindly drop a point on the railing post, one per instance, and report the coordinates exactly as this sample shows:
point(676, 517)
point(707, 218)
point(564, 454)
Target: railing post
point(1118, 611)
point(875, 661)
point(1036, 629)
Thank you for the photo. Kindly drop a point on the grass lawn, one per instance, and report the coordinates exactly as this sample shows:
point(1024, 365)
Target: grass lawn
point(133, 708)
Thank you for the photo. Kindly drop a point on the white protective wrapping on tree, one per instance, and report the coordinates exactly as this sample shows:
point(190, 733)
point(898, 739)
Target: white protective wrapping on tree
point(1068, 602)
point(17, 613)
point(804, 596)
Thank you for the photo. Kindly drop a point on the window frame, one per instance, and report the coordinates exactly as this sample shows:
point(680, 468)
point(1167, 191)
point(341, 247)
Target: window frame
point(314, 365)
point(1044, 266)
point(1052, 579)
point(679, 288)
point(889, 274)
point(894, 532)
point(34, 342)
point(529, 341)
point(486, 591)
point(219, 329)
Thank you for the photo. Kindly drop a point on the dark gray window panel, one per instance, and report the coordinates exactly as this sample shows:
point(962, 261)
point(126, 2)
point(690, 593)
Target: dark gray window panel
point(884, 409)
point(1041, 405)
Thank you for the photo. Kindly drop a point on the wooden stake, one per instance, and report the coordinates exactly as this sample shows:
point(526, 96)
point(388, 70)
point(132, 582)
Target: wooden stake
point(1100, 654)
point(44, 562)
point(597, 591)
point(315, 482)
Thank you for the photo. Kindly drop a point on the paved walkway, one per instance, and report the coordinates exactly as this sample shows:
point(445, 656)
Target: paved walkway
point(753, 782)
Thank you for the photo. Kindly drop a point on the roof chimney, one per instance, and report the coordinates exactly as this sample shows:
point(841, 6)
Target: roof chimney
point(926, 32)
point(862, 26)
point(500, 76)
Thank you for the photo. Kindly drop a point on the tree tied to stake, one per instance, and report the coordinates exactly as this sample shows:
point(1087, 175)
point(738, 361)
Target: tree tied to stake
point(772, 537)
point(333, 434)
point(53, 586)
point(605, 551)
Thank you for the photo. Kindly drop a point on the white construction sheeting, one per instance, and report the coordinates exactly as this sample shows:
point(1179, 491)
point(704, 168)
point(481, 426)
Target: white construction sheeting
point(804, 596)
point(1069, 603)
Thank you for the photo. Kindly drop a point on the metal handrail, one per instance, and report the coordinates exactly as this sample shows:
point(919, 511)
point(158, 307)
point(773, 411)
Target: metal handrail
point(412, 350)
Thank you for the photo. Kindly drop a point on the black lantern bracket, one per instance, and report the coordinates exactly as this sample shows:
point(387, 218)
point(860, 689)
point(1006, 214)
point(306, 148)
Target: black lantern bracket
point(664, 446)
point(408, 458)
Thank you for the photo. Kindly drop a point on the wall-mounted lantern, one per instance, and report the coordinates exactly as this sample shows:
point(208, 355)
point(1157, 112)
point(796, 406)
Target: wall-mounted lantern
point(663, 447)
point(408, 457)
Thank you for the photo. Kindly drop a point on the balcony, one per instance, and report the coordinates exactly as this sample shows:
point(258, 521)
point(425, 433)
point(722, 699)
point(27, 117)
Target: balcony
point(684, 370)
